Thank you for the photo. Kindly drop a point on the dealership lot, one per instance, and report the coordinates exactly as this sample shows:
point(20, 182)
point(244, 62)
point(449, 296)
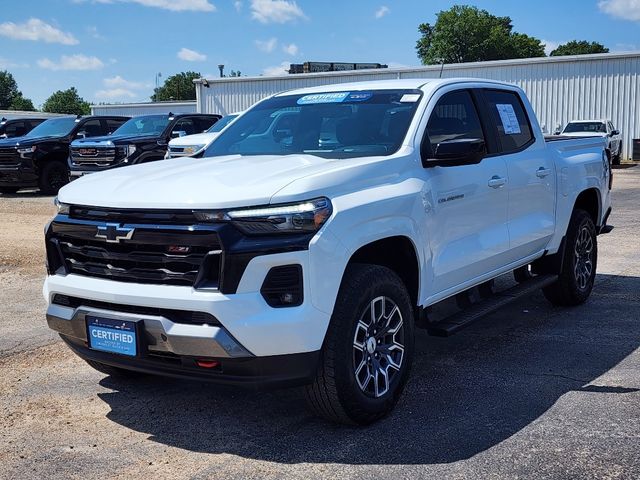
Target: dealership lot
point(528, 390)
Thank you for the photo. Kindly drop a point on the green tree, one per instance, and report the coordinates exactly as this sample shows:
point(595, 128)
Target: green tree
point(66, 101)
point(467, 34)
point(579, 47)
point(23, 104)
point(177, 87)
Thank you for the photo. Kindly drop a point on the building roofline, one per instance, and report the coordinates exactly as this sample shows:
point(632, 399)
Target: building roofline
point(144, 104)
point(436, 68)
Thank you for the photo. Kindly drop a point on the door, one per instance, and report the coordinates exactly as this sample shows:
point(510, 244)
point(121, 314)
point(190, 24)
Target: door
point(467, 204)
point(531, 171)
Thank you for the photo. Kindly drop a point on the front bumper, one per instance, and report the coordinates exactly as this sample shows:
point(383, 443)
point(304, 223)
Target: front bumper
point(20, 174)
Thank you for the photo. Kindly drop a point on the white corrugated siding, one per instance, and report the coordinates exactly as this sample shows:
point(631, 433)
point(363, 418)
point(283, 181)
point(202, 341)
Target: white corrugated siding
point(560, 88)
point(135, 109)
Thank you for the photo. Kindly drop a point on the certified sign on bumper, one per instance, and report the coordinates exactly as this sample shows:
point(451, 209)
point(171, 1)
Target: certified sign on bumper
point(113, 336)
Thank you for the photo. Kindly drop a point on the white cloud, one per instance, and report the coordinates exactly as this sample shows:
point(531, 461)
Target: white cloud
point(191, 55)
point(382, 11)
point(267, 45)
point(5, 63)
point(237, 5)
point(291, 49)
point(93, 31)
point(624, 9)
point(276, 11)
point(119, 82)
point(173, 5)
point(72, 62)
point(36, 30)
point(114, 93)
point(550, 45)
point(625, 47)
point(281, 69)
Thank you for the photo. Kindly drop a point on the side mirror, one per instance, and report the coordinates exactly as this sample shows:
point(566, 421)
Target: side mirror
point(615, 132)
point(557, 132)
point(466, 151)
point(178, 134)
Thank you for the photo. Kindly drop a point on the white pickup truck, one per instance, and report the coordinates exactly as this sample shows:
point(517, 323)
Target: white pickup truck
point(308, 258)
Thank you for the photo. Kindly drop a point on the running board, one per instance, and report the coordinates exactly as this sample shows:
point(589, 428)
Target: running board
point(458, 321)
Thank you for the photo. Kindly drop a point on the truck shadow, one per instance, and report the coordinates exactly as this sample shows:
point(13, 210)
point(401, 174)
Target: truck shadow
point(467, 393)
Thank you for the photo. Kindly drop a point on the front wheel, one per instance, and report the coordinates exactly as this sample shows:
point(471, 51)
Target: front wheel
point(578, 274)
point(54, 176)
point(368, 349)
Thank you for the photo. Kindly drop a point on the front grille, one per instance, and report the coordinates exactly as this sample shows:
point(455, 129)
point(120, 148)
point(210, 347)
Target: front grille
point(100, 156)
point(9, 157)
point(153, 255)
point(176, 316)
point(155, 217)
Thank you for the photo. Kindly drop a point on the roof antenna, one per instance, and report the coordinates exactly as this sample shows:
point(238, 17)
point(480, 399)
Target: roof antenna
point(441, 67)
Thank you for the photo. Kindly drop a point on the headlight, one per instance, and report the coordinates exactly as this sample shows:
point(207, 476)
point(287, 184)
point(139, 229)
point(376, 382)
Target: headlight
point(304, 217)
point(191, 149)
point(23, 150)
point(63, 208)
point(131, 149)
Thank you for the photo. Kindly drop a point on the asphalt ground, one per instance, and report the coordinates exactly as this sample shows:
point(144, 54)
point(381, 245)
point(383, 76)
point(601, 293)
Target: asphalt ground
point(531, 391)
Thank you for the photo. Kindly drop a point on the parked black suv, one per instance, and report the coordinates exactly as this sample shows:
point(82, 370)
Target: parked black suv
point(18, 127)
point(142, 139)
point(39, 159)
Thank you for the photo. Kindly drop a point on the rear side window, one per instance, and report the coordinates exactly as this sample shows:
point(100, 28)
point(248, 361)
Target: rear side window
point(204, 123)
point(113, 124)
point(454, 118)
point(514, 129)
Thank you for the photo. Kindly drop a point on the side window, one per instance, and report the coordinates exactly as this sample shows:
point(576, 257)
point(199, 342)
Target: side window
point(34, 123)
point(454, 118)
point(15, 129)
point(204, 123)
point(113, 124)
point(514, 129)
point(91, 128)
point(185, 125)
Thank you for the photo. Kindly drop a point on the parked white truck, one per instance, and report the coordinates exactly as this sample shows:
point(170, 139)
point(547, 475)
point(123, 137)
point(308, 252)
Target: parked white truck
point(307, 258)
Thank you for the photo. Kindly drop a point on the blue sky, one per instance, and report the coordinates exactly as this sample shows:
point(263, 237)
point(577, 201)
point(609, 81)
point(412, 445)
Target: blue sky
point(111, 50)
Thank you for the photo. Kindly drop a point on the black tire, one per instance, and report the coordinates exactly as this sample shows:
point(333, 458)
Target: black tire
point(579, 264)
point(522, 274)
point(53, 176)
point(336, 393)
point(616, 159)
point(115, 372)
point(9, 189)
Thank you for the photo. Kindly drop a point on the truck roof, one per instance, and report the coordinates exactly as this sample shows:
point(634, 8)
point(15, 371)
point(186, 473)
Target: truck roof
point(407, 83)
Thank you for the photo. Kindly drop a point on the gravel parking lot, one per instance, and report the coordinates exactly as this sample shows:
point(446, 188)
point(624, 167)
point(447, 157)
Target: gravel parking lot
point(531, 390)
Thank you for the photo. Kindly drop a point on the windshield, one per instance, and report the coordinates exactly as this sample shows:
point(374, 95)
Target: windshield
point(330, 125)
point(54, 127)
point(220, 124)
point(589, 127)
point(145, 125)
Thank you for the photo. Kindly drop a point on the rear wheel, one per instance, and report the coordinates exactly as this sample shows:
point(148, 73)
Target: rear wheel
point(616, 159)
point(9, 189)
point(578, 274)
point(368, 349)
point(54, 176)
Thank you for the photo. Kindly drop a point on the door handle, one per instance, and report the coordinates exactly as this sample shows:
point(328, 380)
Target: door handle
point(497, 182)
point(543, 172)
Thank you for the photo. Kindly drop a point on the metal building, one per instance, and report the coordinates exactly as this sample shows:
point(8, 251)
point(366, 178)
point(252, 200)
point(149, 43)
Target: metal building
point(603, 86)
point(144, 108)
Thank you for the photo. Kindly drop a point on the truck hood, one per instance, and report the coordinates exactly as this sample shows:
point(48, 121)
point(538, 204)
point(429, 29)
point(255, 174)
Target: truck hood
point(218, 182)
point(112, 140)
point(25, 141)
point(197, 139)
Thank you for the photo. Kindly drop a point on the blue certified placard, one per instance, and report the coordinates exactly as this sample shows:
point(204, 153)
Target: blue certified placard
point(113, 336)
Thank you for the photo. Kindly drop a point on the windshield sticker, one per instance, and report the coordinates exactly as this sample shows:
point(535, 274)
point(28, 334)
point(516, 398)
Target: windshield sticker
point(509, 118)
point(334, 97)
point(410, 98)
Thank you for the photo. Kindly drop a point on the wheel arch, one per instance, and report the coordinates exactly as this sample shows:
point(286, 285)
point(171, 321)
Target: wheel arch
point(397, 253)
point(589, 200)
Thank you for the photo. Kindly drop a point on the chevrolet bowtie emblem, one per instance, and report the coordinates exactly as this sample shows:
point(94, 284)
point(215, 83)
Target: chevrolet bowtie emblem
point(114, 233)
